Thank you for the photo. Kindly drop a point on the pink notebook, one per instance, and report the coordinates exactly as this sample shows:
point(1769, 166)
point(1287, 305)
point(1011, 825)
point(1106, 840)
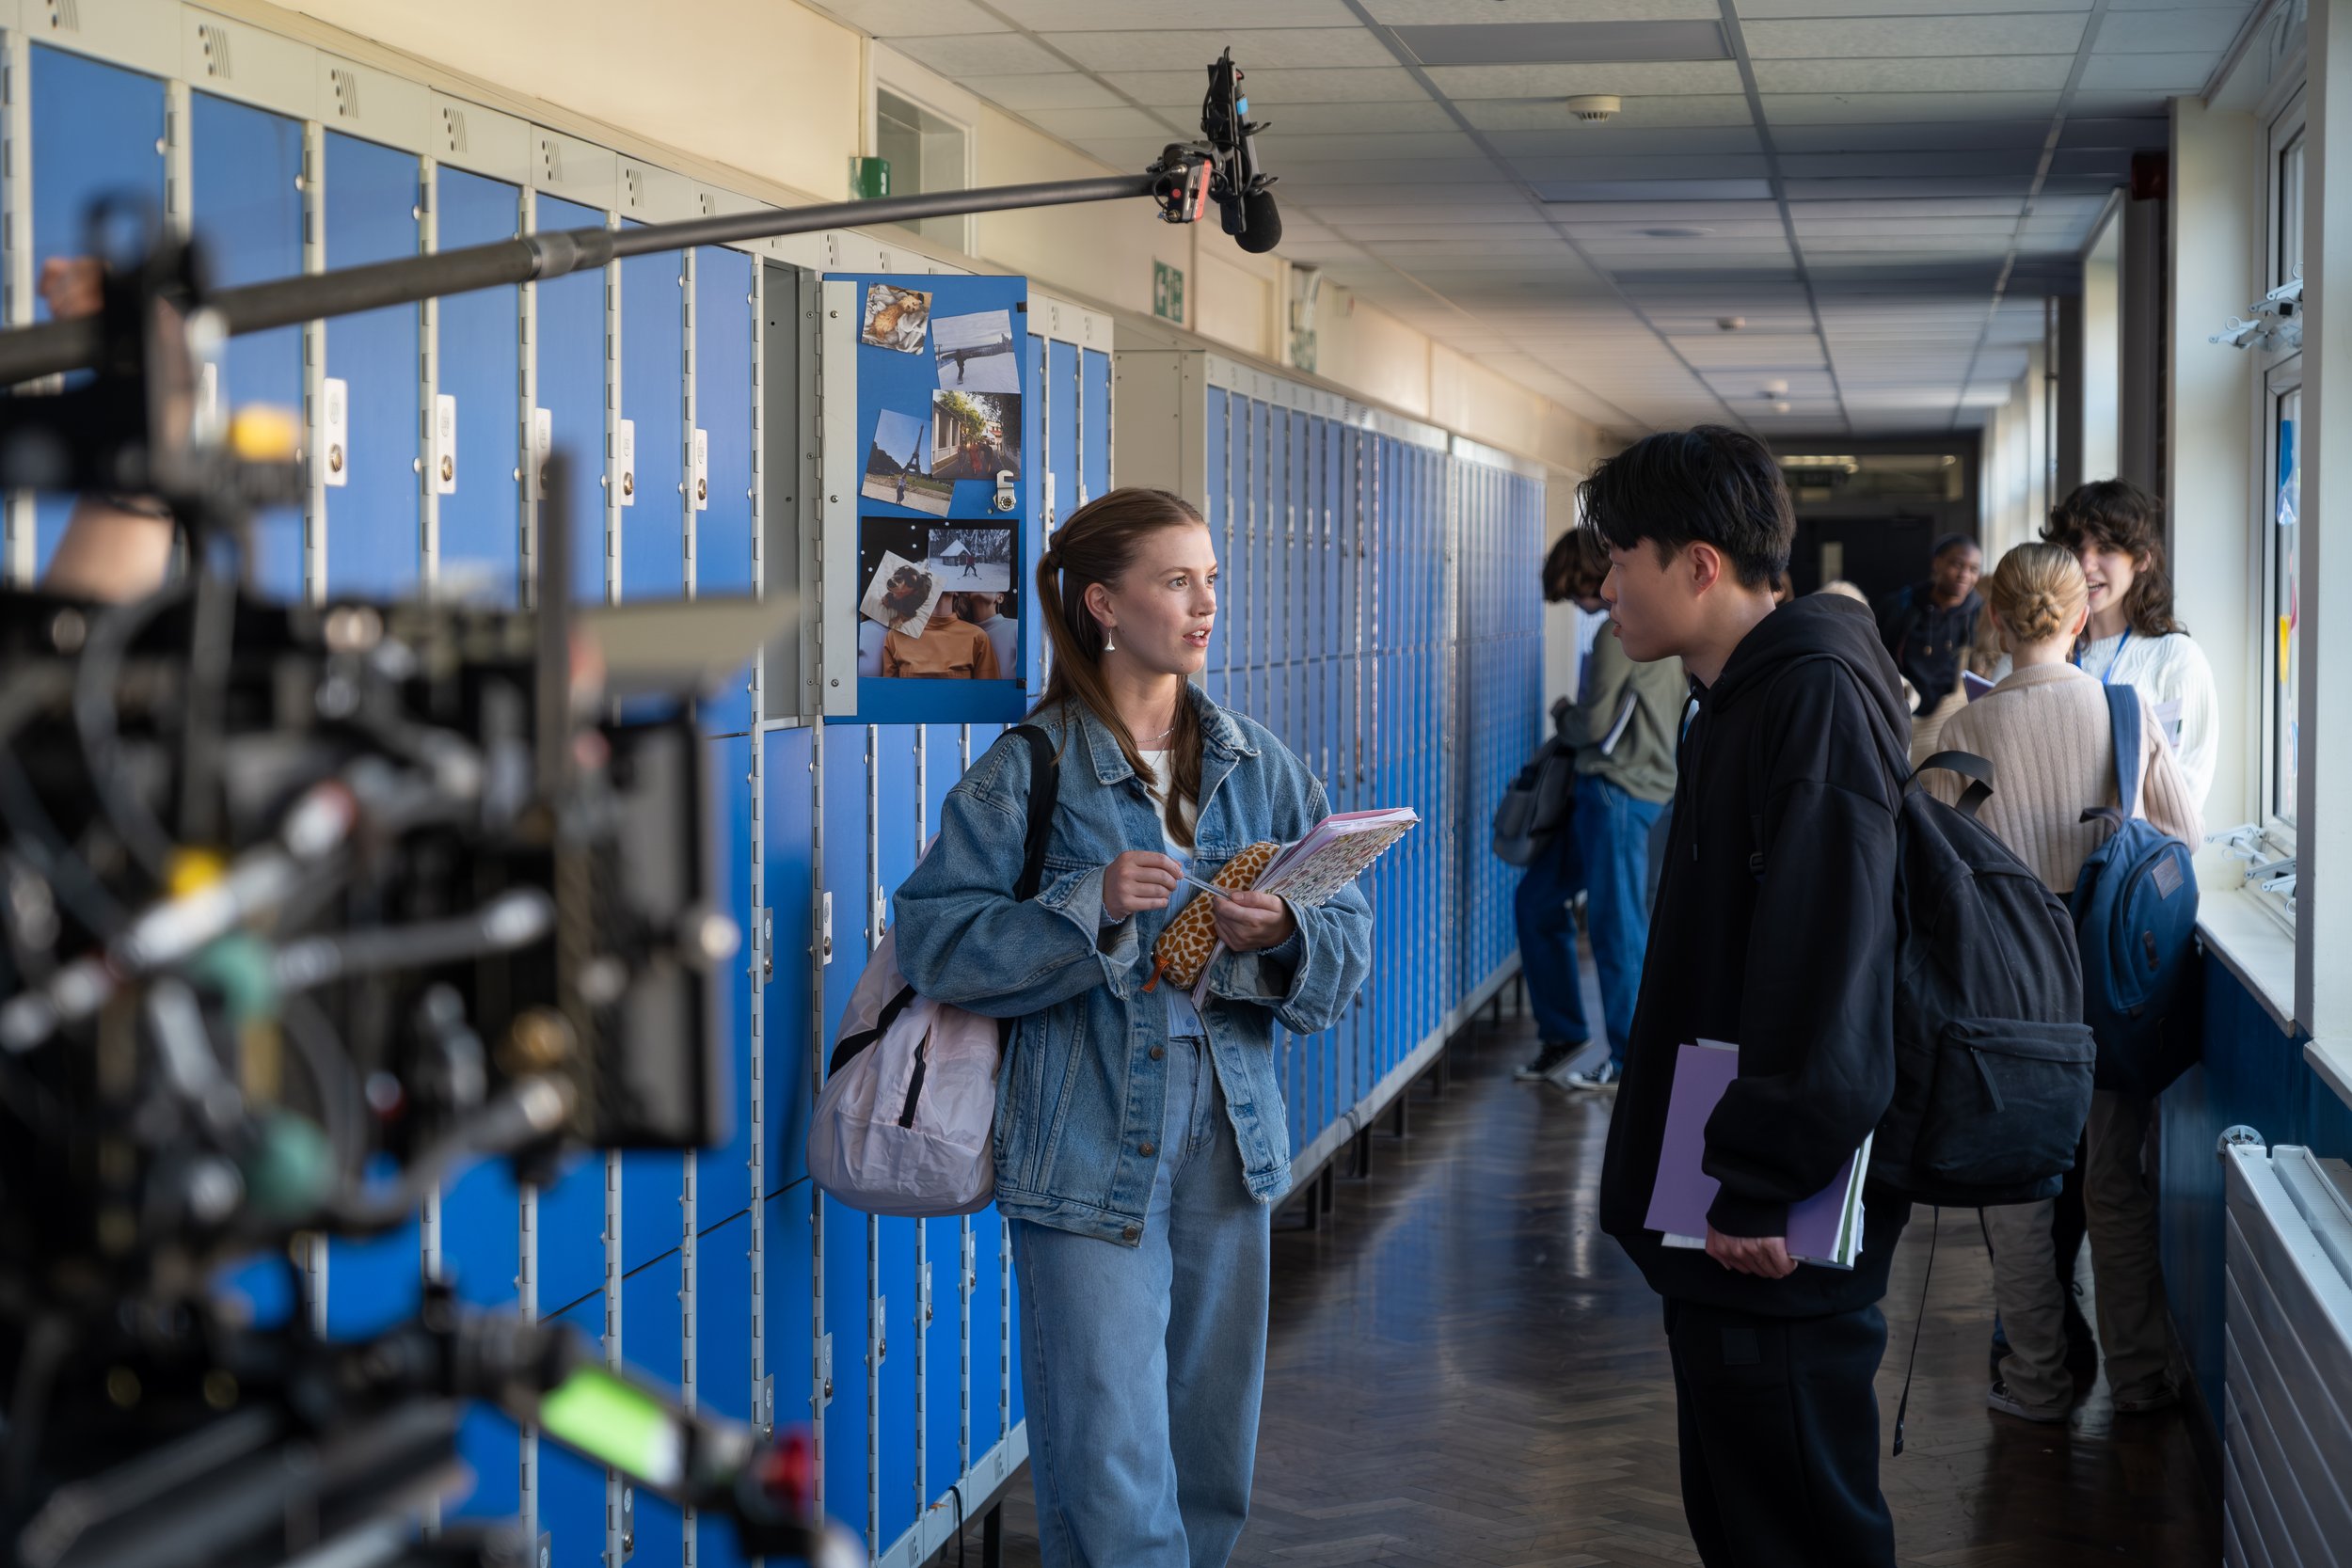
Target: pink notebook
point(1825, 1228)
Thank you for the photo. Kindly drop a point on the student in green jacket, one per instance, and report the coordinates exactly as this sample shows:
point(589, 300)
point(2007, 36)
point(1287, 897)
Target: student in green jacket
point(1621, 725)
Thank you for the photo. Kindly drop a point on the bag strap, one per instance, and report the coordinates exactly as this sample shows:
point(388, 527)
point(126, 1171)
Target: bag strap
point(851, 1044)
point(1978, 771)
point(2124, 724)
point(1044, 785)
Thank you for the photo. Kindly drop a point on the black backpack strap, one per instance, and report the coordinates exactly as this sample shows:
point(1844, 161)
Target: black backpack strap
point(1044, 784)
point(1975, 769)
point(851, 1044)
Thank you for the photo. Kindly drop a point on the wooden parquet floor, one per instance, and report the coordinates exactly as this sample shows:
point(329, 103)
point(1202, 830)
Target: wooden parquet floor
point(1464, 1371)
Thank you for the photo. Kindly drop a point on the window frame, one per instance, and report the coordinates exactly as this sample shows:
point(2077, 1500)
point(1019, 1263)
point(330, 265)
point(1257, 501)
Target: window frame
point(953, 232)
point(2278, 373)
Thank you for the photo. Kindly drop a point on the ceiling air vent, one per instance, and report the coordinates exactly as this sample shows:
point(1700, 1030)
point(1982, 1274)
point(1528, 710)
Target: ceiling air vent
point(215, 39)
point(454, 128)
point(65, 16)
point(1595, 106)
point(346, 86)
point(551, 161)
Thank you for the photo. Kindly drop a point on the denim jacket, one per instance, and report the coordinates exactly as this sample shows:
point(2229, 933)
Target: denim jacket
point(1080, 1094)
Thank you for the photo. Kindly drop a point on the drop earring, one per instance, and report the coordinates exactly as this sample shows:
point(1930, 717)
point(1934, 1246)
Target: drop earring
point(1110, 639)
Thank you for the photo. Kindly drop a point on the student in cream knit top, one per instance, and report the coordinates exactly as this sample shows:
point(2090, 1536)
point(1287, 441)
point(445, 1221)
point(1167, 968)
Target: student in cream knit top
point(2044, 728)
point(2115, 529)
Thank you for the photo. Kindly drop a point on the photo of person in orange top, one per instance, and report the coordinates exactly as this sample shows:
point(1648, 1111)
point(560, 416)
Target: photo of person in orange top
point(950, 648)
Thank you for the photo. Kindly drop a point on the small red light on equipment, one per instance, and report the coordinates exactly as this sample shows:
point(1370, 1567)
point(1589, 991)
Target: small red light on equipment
point(789, 1472)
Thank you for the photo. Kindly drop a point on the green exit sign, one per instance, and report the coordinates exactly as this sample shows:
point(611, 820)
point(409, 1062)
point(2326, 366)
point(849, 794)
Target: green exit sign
point(1167, 291)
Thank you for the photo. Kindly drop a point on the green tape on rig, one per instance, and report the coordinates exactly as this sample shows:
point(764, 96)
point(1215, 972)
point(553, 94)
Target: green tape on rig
point(613, 1421)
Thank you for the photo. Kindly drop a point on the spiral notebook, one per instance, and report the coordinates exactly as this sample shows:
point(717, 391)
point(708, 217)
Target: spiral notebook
point(1334, 853)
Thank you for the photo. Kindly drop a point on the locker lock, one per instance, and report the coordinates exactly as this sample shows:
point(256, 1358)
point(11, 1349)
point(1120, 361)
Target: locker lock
point(1008, 498)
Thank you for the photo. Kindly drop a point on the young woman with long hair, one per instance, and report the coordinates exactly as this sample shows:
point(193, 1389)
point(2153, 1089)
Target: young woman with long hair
point(2116, 531)
point(1140, 1144)
point(2044, 728)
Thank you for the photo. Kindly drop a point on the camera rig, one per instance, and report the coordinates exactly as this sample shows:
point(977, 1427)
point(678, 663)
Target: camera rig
point(304, 907)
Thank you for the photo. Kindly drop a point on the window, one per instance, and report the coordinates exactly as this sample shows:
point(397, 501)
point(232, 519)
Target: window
point(926, 153)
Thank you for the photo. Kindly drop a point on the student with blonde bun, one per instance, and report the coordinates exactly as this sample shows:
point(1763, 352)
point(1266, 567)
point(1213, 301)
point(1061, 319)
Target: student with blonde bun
point(2044, 728)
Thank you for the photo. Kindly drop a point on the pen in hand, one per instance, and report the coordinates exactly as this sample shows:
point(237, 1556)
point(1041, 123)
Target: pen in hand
point(1207, 888)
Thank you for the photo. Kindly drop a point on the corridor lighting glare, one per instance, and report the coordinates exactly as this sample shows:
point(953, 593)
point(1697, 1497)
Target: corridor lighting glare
point(1849, 465)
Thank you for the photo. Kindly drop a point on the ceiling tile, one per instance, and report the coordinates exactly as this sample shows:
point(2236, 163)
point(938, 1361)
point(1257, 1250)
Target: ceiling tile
point(2208, 30)
point(960, 56)
point(1410, 13)
point(1082, 124)
point(1634, 80)
point(1550, 114)
point(1654, 190)
point(892, 19)
point(1278, 146)
point(1270, 90)
point(1256, 50)
point(1980, 73)
point(1864, 108)
point(2019, 163)
point(1865, 38)
point(1504, 42)
point(2152, 72)
point(1621, 141)
point(1752, 10)
point(1071, 89)
point(1086, 15)
point(1545, 170)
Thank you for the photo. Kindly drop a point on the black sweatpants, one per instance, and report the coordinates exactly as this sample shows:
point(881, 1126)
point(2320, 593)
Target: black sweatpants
point(1779, 1427)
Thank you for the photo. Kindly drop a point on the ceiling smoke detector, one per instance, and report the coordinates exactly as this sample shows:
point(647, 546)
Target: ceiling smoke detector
point(1731, 323)
point(1594, 106)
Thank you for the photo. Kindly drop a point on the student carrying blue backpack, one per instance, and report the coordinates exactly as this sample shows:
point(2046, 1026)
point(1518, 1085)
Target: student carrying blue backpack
point(2134, 907)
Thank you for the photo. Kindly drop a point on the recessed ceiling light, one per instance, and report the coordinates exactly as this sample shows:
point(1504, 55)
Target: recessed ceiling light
point(1677, 232)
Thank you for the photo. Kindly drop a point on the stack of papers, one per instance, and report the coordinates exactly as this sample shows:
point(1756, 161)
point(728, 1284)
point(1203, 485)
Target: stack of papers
point(1825, 1228)
point(1333, 854)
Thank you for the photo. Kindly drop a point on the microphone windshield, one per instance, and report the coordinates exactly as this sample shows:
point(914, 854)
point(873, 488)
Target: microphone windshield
point(1265, 225)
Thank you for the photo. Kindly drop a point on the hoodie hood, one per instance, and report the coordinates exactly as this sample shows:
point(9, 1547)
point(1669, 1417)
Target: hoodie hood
point(1818, 625)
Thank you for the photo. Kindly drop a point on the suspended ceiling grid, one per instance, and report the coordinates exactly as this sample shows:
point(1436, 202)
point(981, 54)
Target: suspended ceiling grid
point(1883, 191)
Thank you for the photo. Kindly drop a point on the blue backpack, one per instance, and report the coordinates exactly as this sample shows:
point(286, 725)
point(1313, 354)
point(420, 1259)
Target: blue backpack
point(2135, 909)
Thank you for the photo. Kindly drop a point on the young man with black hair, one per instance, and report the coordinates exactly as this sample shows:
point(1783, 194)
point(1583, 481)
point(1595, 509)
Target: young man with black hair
point(1773, 933)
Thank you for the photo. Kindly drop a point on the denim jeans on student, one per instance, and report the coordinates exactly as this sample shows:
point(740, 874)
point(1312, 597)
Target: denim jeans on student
point(1605, 855)
point(1144, 1365)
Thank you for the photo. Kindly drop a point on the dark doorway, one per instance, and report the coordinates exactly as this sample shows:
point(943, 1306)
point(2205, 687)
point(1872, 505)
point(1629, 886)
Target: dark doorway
point(1876, 554)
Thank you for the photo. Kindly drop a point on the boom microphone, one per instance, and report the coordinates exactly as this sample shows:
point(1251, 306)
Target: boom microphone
point(1245, 203)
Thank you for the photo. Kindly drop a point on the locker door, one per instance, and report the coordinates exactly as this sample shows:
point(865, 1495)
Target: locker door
point(786, 1010)
point(1248, 426)
point(898, 1437)
point(723, 414)
point(480, 363)
point(97, 130)
point(246, 166)
point(1061, 424)
point(722, 1353)
point(944, 1334)
point(1275, 712)
point(722, 1174)
point(571, 389)
point(1094, 419)
point(653, 400)
point(571, 1488)
point(370, 538)
point(1217, 496)
point(479, 1239)
point(849, 874)
point(653, 1344)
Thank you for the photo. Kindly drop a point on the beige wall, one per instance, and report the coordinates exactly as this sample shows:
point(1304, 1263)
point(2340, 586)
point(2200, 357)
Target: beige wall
point(791, 131)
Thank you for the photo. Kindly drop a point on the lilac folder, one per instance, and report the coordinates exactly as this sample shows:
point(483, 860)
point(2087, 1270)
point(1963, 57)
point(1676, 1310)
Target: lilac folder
point(1684, 1192)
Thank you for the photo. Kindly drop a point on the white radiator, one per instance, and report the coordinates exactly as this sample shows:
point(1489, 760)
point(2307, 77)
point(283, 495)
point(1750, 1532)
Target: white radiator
point(2287, 1421)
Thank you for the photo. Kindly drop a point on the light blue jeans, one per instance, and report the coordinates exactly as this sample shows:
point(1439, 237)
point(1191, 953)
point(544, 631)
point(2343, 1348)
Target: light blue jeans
point(1144, 1364)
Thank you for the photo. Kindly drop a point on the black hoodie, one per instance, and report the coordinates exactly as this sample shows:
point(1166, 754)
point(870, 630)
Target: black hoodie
point(1788, 954)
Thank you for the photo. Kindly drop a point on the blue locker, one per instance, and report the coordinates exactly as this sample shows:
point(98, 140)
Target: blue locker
point(722, 410)
point(487, 1443)
point(1218, 510)
point(481, 363)
point(900, 1438)
point(479, 1253)
point(1094, 416)
point(652, 1344)
point(245, 167)
point(653, 1187)
point(572, 391)
point(849, 876)
point(373, 1283)
point(97, 130)
point(1281, 471)
point(1060, 385)
point(943, 1351)
point(1043, 519)
point(571, 1488)
point(722, 1354)
point(723, 1185)
point(372, 539)
point(653, 397)
point(571, 1234)
point(784, 1315)
point(788, 873)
